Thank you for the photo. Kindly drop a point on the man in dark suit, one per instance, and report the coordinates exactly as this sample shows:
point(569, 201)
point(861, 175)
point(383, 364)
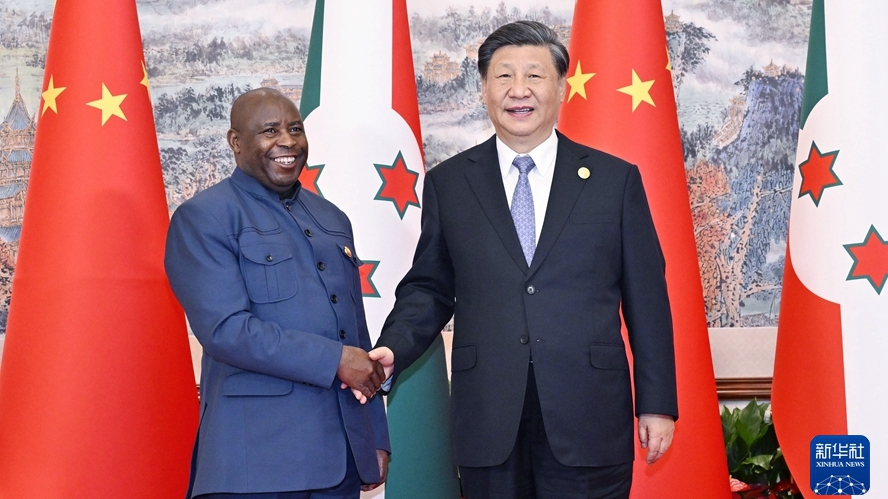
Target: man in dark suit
point(535, 244)
point(268, 276)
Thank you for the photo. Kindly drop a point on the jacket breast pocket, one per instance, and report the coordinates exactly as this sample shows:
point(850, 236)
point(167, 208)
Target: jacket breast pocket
point(608, 356)
point(353, 264)
point(269, 272)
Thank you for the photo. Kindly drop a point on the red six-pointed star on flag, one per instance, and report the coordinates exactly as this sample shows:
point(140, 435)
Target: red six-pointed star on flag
point(398, 185)
point(870, 259)
point(368, 289)
point(817, 173)
point(309, 178)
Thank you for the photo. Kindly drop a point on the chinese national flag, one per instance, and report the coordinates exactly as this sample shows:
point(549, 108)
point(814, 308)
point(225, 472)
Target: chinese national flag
point(97, 393)
point(620, 99)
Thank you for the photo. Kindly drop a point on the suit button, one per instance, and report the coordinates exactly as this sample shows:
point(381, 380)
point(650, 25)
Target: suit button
point(342, 333)
point(308, 232)
point(334, 298)
point(531, 290)
point(321, 266)
point(523, 339)
point(269, 258)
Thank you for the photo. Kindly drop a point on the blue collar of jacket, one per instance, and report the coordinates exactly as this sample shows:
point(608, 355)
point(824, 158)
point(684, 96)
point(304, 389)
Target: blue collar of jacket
point(251, 185)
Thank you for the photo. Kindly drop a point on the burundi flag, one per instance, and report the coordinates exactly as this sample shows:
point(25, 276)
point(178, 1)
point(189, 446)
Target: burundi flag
point(362, 121)
point(830, 374)
point(621, 100)
point(97, 392)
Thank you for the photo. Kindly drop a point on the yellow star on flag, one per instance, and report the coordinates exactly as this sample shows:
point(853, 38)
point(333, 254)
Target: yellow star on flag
point(109, 104)
point(49, 97)
point(578, 81)
point(639, 90)
point(145, 78)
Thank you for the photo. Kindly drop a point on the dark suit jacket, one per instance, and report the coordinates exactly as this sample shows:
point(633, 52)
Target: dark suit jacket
point(598, 249)
point(272, 321)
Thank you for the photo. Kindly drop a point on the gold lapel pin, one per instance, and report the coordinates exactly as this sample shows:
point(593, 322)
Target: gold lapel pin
point(583, 173)
point(347, 252)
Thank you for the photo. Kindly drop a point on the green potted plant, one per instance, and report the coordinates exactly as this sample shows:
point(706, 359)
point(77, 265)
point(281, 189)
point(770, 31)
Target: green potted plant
point(755, 461)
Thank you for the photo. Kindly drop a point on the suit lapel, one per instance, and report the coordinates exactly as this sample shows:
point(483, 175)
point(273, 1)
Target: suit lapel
point(486, 182)
point(566, 187)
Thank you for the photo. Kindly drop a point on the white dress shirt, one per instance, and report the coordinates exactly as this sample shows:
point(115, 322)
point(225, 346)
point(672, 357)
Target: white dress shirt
point(540, 178)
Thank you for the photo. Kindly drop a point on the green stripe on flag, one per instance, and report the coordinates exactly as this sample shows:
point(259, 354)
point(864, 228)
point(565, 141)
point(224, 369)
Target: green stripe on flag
point(419, 429)
point(311, 88)
point(816, 77)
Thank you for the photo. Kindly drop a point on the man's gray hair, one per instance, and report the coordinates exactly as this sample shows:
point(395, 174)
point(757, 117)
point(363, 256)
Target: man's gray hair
point(523, 33)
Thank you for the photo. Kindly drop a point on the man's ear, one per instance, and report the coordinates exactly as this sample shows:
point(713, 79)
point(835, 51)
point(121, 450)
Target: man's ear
point(234, 141)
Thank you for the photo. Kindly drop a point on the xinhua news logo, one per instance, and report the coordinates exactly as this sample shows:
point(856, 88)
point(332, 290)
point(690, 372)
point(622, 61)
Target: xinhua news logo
point(840, 465)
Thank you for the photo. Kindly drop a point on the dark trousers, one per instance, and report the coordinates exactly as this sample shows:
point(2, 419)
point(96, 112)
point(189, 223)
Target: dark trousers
point(532, 472)
point(349, 488)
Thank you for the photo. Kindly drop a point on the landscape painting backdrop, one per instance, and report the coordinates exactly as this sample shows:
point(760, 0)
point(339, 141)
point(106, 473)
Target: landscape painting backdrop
point(738, 71)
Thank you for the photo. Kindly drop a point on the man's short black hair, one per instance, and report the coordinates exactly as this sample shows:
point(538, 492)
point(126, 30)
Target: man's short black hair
point(523, 33)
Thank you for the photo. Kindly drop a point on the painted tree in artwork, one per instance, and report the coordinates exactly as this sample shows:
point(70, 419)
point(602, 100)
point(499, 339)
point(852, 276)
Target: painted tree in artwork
point(688, 46)
point(739, 180)
point(707, 185)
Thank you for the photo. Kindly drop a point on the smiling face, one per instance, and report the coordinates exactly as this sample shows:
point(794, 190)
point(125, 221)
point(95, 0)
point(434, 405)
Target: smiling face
point(522, 92)
point(268, 139)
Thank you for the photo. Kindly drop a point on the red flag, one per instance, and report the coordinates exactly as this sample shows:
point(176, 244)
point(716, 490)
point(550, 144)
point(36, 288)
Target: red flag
point(97, 393)
point(829, 367)
point(621, 100)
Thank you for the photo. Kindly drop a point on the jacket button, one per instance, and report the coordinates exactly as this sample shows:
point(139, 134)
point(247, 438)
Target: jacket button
point(334, 298)
point(308, 232)
point(269, 258)
point(531, 290)
point(321, 266)
point(523, 339)
point(342, 333)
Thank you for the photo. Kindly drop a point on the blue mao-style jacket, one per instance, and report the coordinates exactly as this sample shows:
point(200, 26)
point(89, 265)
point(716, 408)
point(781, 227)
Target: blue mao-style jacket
point(272, 291)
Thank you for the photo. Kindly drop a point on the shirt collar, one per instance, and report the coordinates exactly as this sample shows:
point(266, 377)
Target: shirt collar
point(543, 155)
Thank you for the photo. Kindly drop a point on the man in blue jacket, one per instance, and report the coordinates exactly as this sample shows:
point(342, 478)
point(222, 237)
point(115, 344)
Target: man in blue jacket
point(268, 276)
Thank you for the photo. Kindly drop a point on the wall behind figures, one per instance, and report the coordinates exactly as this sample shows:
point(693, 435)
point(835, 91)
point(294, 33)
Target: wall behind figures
point(738, 70)
point(757, 342)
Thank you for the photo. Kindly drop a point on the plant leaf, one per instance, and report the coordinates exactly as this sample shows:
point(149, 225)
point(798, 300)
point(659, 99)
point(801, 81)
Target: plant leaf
point(752, 421)
point(762, 462)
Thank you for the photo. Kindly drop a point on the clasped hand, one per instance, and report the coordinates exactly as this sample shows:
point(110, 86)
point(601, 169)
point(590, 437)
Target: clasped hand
point(364, 372)
point(359, 372)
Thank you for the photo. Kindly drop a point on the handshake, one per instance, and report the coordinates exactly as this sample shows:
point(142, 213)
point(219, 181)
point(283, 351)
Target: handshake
point(365, 372)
